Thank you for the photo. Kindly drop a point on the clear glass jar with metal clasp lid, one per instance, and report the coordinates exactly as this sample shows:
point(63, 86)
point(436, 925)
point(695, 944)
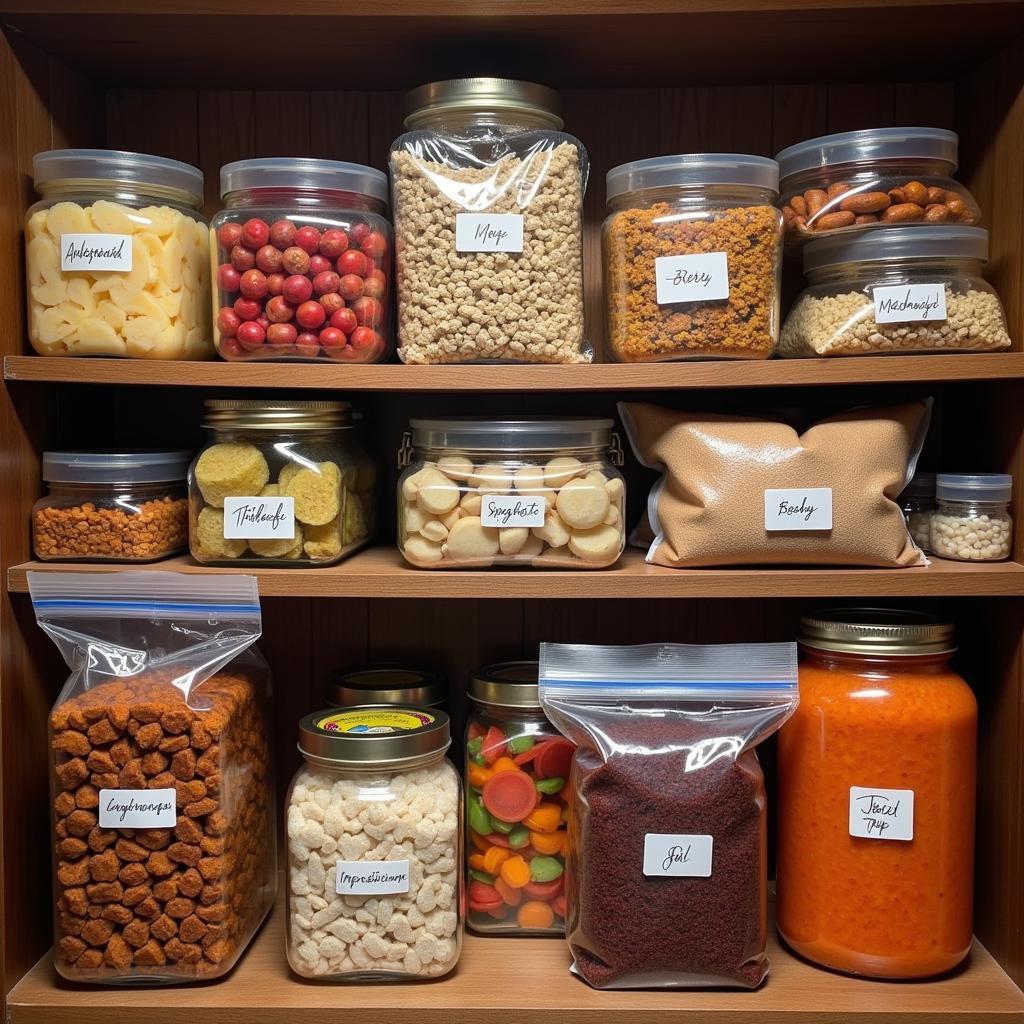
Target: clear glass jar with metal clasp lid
point(374, 847)
point(517, 770)
point(972, 522)
point(279, 483)
point(388, 684)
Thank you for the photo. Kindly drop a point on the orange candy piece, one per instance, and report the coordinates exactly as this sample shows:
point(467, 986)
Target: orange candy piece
point(504, 764)
point(535, 914)
point(515, 872)
point(513, 897)
point(478, 862)
point(477, 774)
point(550, 844)
point(494, 858)
point(545, 817)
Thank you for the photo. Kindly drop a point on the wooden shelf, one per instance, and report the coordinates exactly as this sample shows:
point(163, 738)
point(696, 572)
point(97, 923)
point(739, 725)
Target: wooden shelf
point(470, 377)
point(380, 572)
point(520, 981)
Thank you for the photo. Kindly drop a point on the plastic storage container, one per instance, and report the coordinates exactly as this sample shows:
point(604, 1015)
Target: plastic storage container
point(111, 506)
point(693, 258)
point(302, 261)
point(511, 492)
point(874, 176)
point(117, 257)
point(279, 483)
point(517, 770)
point(388, 684)
point(876, 797)
point(907, 289)
point(374, 847)
point(972, 520)
point(918, 502)
point(488, 196)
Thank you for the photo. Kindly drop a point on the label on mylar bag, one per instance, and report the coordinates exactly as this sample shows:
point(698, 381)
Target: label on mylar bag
point(798, 508)
point(488, 232)
point(678, 855)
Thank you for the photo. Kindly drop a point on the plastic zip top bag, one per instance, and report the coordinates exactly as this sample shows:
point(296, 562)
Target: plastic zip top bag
point(666, 867)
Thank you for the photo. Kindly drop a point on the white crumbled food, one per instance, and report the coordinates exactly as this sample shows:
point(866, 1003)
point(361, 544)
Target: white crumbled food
point(971, 538)
point(412, 816)
point(456, 307)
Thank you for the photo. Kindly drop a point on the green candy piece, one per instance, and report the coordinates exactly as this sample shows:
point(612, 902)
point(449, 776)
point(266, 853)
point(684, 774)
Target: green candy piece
point(545, 869)
point(473, 747)
point(479, 819)
point(482, 876)
point(549, 786)
point(502, 826)
point(519, 837)
point(519, 744)
point(480, 760)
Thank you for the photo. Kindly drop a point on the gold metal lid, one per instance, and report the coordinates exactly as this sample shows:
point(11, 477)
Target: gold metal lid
point(879, 631)
point(537, 103)
point(367, 737)
point(257, 414)
point(506, 684)
point(388, 684)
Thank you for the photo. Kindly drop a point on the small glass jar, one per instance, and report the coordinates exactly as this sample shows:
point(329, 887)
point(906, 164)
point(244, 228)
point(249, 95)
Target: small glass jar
point(918, 504)
point(906, 289)
point(972, 520)
point(876, 797)
point(111, 507)
point(374, 847)
point(302, 261)
point(489, 226)
point(693, 258)
point(517, 767)
point(388, 684)
point(877, 176)
point(277, 484)
point(476, 493)
point(117, 257)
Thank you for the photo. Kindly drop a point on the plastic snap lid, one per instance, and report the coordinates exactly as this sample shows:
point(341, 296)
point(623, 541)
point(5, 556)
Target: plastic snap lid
point(973, 486)
point(507, 684)
point(485, 95)
point(116, 467)
point(876, 631)
point(116, 165)
point(907, 242)
point(511, 435)
point(374, 736)
point(693, 169)
point(870, 145)
point(303, 172)
point(388, 684)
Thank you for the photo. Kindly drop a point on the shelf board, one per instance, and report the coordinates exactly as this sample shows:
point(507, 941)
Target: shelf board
point(525, 378)
point(380, 572)
point(521, 981)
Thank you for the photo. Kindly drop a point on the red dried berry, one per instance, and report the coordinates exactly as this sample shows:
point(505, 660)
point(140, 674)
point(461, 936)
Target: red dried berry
point(331, 302)
point(251, 335)
point(295, 260)
point(318, 264)
point(255, 233)
point(275, 284)
point(229, 348)
point(350, 287)
point(331, 337)
point(279, 310)
point(247, 309)
point(375, 245)
point(326, 281)
point(268, 259)
point(369, 312)
point(333, 242)
point(228, 278)
point(297, 289)
point(353, 262)
point(253, 284)
point(358, 232)
point(366, 340)
point(281, 334)
point(310, 315)
point(307, 239)
point(344, 320)
point(282, 234)
point(228, 322)
point(307, 344)
point(242, 259)
point(229, 235)
point(375, 284)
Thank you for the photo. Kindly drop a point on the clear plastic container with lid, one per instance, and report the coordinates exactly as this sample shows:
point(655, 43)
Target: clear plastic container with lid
point(488, 193)
point(692, 258)
point(876, 797)
point(388, 684)
point(918, 504)
point(876, 176)
point(374, 847)
point(106, 506)
point(279, 483)
point(517, 770)
point(906, 289)
point(117, 257)
point(972, 522)
point(302, 261)
point(476, 493)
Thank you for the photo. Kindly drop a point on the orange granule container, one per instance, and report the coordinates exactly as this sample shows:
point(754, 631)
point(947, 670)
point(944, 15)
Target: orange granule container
point(876, 798)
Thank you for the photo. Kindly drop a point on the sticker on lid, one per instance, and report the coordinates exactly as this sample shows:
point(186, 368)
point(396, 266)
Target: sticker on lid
point(505, 510)
point(881, 813)
point(908, 303)
point(375, 720)
point(797, 508)
point(254, 518)
point(371, 877)
point(488, 232)
point(678, 856)
point(702, 277)
point(138, 808)
point(96, 251)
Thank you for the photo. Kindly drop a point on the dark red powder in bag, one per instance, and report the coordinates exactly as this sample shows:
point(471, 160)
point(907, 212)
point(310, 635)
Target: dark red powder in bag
point(667, 767)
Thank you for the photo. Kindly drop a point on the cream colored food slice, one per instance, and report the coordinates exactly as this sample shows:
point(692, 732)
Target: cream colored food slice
point(161, 220)
point(553, 531)
point(69, 218)
point(456, 467)
point(512, 539)
point(582, 504)
point(115, 219)
point(599, 544)
point(561, 470)
point(421, 551)
point(436, 493)
point(470, 540)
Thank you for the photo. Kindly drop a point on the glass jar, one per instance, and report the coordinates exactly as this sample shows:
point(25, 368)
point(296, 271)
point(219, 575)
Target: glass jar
point(374, 847)
point(972, 521)
point(918, 504)
point(302, 261)
point(488, 195)
point(516, 840)
point(692, 258)
point(884, 176)
point(876, 798)
point(475, 493)
point(277, 485)
point(388, 684)
point(906, 289)
point(117, 257)
point(111, 507)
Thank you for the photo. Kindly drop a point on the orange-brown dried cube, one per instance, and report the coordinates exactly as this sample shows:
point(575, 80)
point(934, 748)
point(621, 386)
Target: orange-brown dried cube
point(132, 874)
point(149, 736)
point(150, 955)
point(153, 838)
point(136, 934)
point(130, 851)
point(121, 752)
point(71, 742)
point(176, 721)
point(71, 873)
point(191, 929)
point(101, 838)
point(71, 948)
point(148, 909)
point(71, 849)
point(173, 744)
point(187, 830)
point(104, 892)
point(102, 732)
point(100, 761)
point(166, 889)
point(118, 954)
point(64, 804)
point(159, 864)
point(118, 913)
point(87, 797)
point(164, 928)
point(97, 932)
point(90, 960)
point(104, 866)
point(131, 775)
point(154, 763)
point(184, 853)
point(72, 773)
point(190, 883)
point(180, 907)
point(81, 823)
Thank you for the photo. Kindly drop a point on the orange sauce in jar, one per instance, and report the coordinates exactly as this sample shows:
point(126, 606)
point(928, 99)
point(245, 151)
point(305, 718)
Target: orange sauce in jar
point(881, 716)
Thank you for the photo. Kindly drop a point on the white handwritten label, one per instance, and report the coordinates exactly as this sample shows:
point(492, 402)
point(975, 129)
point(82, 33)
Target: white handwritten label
point(512, 510)
point(138, 808)
point(798, 508)
point(259, 518)
point(371, 877)
point(702, 277)
point(881, 813)
point(900, 304)
point(488, 232)
point(677, 856)
point(94, 251)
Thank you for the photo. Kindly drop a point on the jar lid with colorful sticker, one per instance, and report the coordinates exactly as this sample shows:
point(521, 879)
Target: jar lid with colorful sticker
point(388, 684)
point(374, 737)
point(506, 684)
